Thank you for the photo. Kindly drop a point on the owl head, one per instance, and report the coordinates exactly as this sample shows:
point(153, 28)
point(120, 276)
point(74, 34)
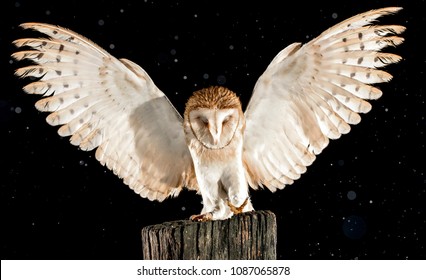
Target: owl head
point(214, 115)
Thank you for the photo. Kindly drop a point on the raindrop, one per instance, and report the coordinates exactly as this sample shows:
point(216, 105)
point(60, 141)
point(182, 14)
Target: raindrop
point(101, 22)
point(183, 208)
point(221, 80)
point(354, 227)
point(231, 47)
point(173, 52)
point(111, 46)
point(334, 15)
point(18, 110)
point(206, 76)
point(351, 195)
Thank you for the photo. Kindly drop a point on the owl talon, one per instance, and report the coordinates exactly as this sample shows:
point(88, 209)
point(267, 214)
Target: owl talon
point(202, 217)
point(237, 210)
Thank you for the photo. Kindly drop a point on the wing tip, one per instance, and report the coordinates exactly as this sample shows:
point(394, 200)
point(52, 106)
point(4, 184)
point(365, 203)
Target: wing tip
point(35, 25)
point(386, 11)
point(394, 9)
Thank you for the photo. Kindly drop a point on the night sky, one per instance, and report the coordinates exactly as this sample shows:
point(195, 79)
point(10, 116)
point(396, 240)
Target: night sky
point(363, 198)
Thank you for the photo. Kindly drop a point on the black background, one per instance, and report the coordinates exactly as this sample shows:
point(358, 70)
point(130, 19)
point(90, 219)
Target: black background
point(364, 196)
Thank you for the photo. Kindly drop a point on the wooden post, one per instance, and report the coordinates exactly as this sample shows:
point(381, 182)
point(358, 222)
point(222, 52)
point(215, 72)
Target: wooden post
point(250, 236)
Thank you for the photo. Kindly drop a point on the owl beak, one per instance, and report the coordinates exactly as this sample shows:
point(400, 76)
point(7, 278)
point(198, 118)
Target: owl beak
point(216, 139)
point(215, 133)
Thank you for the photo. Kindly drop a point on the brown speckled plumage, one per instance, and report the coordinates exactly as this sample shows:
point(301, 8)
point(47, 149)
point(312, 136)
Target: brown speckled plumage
point(213, 97)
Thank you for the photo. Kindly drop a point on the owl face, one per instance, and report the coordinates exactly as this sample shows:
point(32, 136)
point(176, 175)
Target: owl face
point(213, 127)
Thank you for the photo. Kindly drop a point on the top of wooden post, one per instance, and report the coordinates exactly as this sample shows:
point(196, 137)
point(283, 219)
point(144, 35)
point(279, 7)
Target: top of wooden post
point(251, 235)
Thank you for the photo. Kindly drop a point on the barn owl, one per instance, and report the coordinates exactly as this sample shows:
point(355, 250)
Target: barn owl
point(307, 95)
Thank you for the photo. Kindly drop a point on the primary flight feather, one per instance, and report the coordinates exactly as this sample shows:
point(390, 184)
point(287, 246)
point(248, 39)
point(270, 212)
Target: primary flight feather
point(308, 94)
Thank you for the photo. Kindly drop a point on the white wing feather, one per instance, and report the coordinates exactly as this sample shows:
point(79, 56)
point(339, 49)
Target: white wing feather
point(111, 105)
point(312, 93)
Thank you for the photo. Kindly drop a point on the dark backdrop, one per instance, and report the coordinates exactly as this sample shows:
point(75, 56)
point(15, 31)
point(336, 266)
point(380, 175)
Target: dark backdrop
point(364, 196)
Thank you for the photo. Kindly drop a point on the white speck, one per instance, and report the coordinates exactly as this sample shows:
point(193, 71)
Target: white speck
point(176, 37)
point(371, 202)
point(231, 47)
point(10, 61)
point(121, 10)
point(82, 163)
point(111, 46)
point(18, 110)
point(206, 76)
point(185, 77)
point(176, 60)
point(101, 22)
point(173, 52)
point(334, 15)
point(386, 109)
point(47, 13)
point(195, 15)
point(183, 208)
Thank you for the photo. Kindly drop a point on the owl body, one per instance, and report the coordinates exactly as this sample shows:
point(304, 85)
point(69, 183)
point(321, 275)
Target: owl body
point(308, 95)
point(217, 150)
point(220, 181)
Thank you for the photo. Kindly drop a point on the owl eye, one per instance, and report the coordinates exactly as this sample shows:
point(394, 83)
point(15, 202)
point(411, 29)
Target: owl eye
point(204, 120)
point(227, 119)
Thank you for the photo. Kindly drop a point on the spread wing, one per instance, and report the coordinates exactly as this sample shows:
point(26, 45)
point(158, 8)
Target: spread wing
point(312, 93)
point(111, 105)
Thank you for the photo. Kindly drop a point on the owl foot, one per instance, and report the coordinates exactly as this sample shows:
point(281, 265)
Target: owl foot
point(237, 210)
point(202, 217)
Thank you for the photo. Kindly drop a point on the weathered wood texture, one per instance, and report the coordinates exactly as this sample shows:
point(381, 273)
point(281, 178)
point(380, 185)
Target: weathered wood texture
point(251, 235)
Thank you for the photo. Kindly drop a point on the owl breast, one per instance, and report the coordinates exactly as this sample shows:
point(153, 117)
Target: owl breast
point(220, 175)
